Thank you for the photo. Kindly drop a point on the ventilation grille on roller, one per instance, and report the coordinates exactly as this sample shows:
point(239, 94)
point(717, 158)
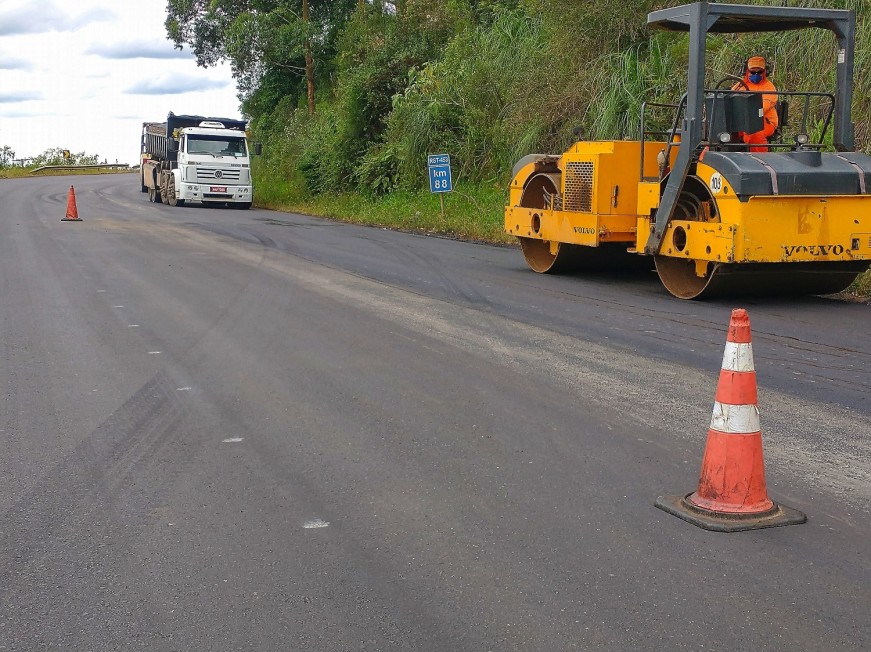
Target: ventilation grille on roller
point(579, 187)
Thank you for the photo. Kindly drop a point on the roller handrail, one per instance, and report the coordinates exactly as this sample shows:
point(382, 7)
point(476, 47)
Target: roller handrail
point(735, 147)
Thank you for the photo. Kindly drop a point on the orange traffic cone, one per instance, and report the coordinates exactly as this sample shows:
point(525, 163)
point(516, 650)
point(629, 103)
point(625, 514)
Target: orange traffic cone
point(72, 211)
point(732, 494)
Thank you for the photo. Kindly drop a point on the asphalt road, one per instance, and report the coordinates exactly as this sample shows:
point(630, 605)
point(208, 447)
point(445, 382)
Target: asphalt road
point(228, 430)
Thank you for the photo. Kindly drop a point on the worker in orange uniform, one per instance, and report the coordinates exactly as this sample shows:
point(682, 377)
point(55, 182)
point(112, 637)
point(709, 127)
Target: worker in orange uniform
point(756, 79)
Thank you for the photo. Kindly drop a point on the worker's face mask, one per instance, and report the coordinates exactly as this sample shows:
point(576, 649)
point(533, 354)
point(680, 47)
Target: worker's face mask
point(755, 77)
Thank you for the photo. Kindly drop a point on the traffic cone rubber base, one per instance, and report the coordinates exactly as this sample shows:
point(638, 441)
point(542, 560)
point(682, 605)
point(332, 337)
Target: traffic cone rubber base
point(777, 516)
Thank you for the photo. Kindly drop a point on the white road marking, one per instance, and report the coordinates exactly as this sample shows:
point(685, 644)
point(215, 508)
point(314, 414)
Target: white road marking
point(182, 389)
point(232, 440)
point(117, 306)
point(309, 525)
point(132, 325)
point(153, 352)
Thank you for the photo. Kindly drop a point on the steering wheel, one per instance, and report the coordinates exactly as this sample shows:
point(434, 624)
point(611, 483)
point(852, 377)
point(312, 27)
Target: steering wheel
point(736, 78)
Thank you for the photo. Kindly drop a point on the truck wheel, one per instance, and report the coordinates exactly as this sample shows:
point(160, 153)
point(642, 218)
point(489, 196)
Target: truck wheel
point(171, 198)
point(154, 195)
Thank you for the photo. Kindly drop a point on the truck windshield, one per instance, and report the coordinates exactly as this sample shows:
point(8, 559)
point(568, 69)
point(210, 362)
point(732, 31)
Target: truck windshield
point(216, 145)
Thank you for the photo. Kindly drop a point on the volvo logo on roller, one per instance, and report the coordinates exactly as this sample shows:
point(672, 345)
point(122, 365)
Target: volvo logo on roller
point(813, 250)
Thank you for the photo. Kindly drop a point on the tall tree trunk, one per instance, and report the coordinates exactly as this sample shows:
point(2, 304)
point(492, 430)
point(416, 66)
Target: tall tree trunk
point(309, 63)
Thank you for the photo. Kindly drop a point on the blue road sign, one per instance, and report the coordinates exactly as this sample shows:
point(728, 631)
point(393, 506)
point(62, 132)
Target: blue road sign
point(440, 173)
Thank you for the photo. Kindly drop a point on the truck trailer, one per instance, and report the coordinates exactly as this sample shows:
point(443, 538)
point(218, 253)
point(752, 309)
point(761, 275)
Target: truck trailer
point(192, 157)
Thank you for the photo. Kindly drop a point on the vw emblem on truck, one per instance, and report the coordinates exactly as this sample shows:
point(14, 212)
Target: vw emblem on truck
point(218, 174)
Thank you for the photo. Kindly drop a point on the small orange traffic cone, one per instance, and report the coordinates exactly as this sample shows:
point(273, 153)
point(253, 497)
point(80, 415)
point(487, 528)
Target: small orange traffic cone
point(732, 494)
point(72, 211)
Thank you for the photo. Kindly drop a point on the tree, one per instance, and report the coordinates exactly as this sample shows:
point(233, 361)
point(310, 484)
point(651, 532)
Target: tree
point(262, 38)
point(55, 156)
point(309, 64)
point(7, 155)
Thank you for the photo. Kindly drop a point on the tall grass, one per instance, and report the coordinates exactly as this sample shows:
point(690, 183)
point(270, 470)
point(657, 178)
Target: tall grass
point(467, 102)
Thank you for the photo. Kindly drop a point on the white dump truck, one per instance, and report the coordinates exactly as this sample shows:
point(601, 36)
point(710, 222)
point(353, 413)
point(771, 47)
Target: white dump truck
point(191, 157)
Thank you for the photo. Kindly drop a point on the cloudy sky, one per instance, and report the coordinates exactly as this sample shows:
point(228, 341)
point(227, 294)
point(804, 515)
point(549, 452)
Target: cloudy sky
point(84, 75)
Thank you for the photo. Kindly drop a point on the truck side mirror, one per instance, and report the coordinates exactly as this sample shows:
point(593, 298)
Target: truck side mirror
point(172, 145)
point(258, 149)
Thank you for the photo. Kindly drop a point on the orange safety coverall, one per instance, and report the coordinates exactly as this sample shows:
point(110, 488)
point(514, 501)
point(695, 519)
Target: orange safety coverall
point(769, 108)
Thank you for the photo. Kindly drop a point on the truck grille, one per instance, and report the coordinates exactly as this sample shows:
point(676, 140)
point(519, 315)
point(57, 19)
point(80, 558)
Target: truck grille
point(210, 175)
point(579, 187)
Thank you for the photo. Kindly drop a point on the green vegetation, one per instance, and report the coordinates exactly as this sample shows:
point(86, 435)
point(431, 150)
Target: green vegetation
point(12, 168)
point(472, 211)
point(861, 288)
point(484, 80)
point(18, 172)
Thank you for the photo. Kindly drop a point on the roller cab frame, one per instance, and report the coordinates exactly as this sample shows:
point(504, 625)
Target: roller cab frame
point(690, 197)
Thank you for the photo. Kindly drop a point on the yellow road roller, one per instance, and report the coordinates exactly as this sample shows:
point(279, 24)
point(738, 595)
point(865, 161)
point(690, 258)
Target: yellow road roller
point(716, 214)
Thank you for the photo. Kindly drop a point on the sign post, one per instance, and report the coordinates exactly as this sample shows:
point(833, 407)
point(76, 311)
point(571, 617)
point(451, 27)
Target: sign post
point(440, 182)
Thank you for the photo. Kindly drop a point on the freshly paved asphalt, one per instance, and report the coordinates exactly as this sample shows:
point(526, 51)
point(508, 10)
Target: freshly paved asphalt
point(228, 430)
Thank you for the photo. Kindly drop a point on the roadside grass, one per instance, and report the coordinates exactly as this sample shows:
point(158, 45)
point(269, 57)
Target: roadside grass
point(20, 173)
point(861, 288)
point(472, 211)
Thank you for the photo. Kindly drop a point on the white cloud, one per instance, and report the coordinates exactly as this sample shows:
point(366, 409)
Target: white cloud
point(13, 97)
point(85, 76)
point(138, 50)
point(40, 16)
point(15, 63)
point(174, 85)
